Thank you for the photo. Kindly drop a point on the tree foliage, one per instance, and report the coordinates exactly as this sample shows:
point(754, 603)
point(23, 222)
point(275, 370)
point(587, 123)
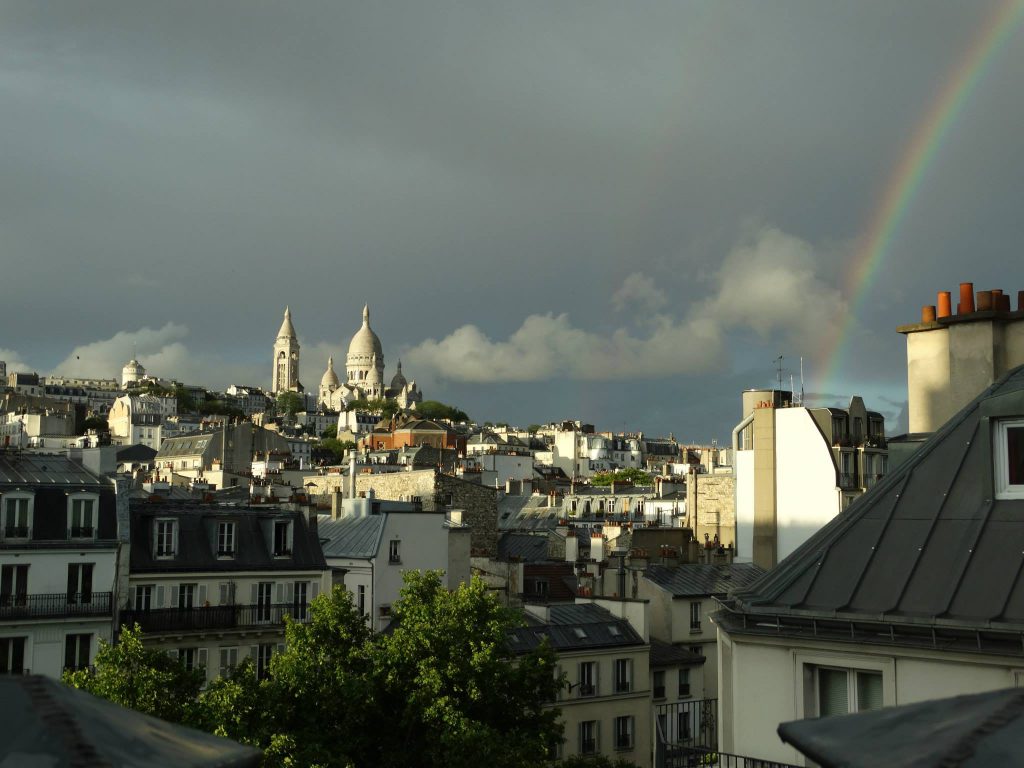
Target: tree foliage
point(439, 689)
point(331, 432)
point(432, 409)
point(290, 403)
point(382, 407)
point(332, 450)
point(99, 423)
point(627, 476)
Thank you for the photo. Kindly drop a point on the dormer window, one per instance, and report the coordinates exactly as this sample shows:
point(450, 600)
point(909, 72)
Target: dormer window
point(225, 539)
point(282, 538)
point(82, 516)
point(1009, 459)
point(17, 515)
point(165, 538)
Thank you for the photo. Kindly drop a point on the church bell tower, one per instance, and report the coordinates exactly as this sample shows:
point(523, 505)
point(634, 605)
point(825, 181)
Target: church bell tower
point(286, 357)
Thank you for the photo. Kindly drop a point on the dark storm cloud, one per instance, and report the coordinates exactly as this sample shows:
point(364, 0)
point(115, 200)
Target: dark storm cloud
point(478, 164)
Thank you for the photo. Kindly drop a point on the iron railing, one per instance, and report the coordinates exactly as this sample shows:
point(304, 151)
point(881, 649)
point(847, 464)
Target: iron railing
point(215, 617)
point(54, 606)
point(696, 757)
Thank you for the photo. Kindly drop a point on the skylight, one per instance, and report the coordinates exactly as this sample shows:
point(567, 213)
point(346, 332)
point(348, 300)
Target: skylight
point(578, 631)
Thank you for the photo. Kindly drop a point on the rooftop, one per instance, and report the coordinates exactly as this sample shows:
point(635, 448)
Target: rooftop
point(698, 580)
point(44, 469)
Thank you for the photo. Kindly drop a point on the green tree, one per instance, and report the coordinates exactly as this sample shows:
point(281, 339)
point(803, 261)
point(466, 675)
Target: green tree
point(534, 429)
point(141, 678)
point(432, 409)
point(333, 450)
point(99, 423)
point(186, 403)
point(290, 403)
point(629, 475)
point(383, 408)
point(331, 432)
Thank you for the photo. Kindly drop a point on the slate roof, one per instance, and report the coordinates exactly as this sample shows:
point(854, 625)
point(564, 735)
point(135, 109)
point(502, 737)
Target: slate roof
point(526, 513)
point(928, 548)
point(522, 546)
point(48, 723)
point(197, 539)
point(698, 580)
point(669, 655)
point(35, 469)
point(357, 537)
point(973, 731)
point(136, 452)
point(574, 627)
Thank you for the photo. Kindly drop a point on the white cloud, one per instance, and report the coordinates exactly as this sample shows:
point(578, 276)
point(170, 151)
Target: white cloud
point(14, 361)
point(639, 289)
point(105, 358)
point(767, 284)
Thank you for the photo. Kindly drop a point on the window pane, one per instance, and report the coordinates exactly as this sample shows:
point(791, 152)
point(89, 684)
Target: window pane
point(1015, 455)
point(833, 694)
point(869, 691)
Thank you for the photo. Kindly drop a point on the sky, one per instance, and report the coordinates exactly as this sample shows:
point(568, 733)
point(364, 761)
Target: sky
point(614, 212)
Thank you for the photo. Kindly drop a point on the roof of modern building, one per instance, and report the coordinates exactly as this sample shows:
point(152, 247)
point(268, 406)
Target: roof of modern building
point(35, 469)
point(48, 723)
point(974, 731)
point(574, 627)
point(929, 547)
point(700, 580)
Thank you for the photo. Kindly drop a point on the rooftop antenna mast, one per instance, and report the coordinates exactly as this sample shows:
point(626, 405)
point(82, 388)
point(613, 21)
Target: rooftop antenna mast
point(801, 380)
point(778, 370)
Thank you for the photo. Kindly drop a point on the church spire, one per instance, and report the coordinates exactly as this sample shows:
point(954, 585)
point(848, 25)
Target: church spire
point(366, 314)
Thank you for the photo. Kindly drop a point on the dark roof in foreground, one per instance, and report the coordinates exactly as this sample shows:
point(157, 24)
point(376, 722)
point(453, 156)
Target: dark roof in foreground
point(34, 469)
point(699, 580)
point(670, 655)
point(572, 627)
point(927, 557)
point(48, 723)
point(974, 731)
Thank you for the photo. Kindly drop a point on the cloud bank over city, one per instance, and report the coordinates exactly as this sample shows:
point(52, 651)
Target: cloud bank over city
point(557, 193)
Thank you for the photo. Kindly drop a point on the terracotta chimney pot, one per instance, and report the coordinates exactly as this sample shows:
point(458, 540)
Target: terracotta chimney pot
point(944, 304)
point(928, 314)
point(966, 305)
point(984, 301)
point(1003, 305)
point(1020, 301)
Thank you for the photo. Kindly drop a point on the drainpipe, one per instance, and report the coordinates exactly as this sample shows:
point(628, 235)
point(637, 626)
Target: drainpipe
point(735, 471)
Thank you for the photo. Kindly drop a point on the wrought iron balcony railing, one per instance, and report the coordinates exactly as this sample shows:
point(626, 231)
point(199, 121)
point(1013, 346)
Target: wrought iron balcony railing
point(215, 617)
point(54, 606)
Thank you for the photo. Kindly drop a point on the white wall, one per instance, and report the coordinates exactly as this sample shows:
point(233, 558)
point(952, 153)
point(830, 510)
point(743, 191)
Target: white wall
point(805, 479)
point(744, 505)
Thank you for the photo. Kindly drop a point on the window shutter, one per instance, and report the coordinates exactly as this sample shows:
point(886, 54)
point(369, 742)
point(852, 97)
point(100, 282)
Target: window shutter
point(280, 593)
point(289, 593)
point(833, 692)
point(314, 589)
point(132, 597)
point(254, 595)
point(72, 582)
point(222, 589)
point(161, 593)
point(174, 538)
point(174, 596)
point(597, 731)
point(201, 657)
point(202, 595)
point(254, 654)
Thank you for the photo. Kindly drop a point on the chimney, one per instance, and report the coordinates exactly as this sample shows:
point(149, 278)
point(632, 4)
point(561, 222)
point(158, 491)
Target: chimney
point(944, 300)
point(966, 305)
point(336, 504)
point(1004, 302)
point(984, 301)
point(597, 547)
point(572, 547)
point(1020, 301)
point(352, 475)
point(928, 314)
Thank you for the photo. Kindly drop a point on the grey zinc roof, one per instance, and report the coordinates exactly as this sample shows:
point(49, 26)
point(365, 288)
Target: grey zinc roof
point(700, 580)
point(352, 536)
point(522, 546)
point(973, 731)
point(929, 544)
point(574, 627)
point(668, 655)
point(44, 469)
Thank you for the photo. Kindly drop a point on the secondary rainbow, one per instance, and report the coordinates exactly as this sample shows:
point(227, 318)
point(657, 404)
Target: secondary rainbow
point(905, 181)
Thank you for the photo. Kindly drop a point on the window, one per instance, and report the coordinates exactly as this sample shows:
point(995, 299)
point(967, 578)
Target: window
point(13, 585)
point(226, 593)
point(587, 678)
point(17, 520)
point(361, 599)
point(1009, 458)
point(225, 539)
point(588, 737)
point(83, 517)
point(187, 656)
point(623, 676)
point(695, 616)
point(282, 538)
point(264, 652)
point(394, 554)
point(12, 655)
point(165, 542)
point(264, 599)
point(143, 597)
point(80, 583)
point(842, 691)
point(659, 684)
point(76, 651)
point(624, 732)
point(300, 601)
point(186, 596)
point(228, 661)
point(684, 683)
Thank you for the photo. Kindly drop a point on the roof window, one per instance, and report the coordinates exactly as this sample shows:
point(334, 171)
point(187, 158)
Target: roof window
point(1009, 459)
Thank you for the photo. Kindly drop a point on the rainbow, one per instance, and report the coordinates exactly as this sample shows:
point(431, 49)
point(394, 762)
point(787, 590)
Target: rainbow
point(904, 182)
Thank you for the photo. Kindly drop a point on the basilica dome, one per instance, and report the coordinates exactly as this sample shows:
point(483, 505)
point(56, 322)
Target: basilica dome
point(330, 378)
point(365, 344)
point(398, 381)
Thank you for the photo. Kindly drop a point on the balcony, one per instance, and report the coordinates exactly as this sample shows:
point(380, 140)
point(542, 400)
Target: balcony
point(82, 532)
point(848, 480)
point(213, 618)
point(16, 531)
point(15, 607)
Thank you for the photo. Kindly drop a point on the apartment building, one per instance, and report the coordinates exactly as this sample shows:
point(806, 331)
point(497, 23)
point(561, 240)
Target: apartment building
point(58, 563)
point(214, 583)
